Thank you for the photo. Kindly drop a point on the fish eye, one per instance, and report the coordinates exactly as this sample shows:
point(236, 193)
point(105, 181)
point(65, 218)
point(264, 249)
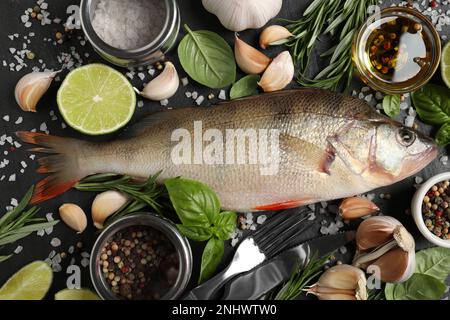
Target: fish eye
point(406, 137)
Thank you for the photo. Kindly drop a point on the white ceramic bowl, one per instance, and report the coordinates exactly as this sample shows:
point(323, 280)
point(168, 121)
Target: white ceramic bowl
point(416, 209)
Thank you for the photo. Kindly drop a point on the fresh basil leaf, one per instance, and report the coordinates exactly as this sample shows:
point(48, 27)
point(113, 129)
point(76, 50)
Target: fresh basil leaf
point(432, 104)
point(418, 287)
point(225, 224)
point(207, 58)
point(443, 135)
point(195, 233)
point(194, 202)
point(247, 86)
point(212, 255)
point(391, 105)
point(434, 262)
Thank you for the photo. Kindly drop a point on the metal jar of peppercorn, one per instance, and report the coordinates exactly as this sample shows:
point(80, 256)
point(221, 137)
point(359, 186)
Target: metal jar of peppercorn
point(141, 257)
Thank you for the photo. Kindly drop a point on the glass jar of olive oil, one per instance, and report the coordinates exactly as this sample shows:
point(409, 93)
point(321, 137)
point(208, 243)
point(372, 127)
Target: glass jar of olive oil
point(397, 50)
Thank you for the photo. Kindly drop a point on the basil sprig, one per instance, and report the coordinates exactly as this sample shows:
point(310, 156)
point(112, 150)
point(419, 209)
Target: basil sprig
point(432, 104)
point(432, 268)
point(391, 105)
point(198, 209)
point(247, 86)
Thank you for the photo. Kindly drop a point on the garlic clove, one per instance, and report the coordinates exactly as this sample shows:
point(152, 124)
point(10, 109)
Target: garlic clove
point(396, 265)
point(105, 204)
point(239, 15)
point(163, 86)
point(357, 207)
point(73, 216)
point(404, 239)
point(278, 74)
point(274, 35)
point(341, 282)
point(375, 231)
point(249, 59)
point(31, 87)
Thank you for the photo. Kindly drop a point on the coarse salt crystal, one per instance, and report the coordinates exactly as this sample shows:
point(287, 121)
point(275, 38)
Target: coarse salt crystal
point(18, 250)
point(222, 95)
point(185, 81)
point(261, 219)
point(84, 262)
point(55, 242)
point(164, 102)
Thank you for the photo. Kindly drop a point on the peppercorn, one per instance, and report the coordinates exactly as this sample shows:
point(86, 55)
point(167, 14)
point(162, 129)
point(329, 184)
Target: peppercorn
point(30, 55)
point(37, 9)
point(58, 35)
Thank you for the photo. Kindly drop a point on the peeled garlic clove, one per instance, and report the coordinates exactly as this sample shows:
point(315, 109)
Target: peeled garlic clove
point(105, 204)
point(404, 239)
point(238, 15)
point(274, 35)
point(375, 231)
point(163, 86)
point(357, 207)
point(341, 282)
point(73, 216)
point(249, 59)
point(396, 265)
point(31, 87)
point(278, 74)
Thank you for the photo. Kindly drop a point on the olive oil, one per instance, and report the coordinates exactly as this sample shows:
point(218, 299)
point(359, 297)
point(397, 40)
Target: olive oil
point(398, 50)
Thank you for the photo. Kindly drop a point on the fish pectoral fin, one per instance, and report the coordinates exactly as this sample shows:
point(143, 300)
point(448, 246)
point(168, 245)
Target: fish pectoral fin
point(352, 163)
point(283, 205)
point(306, 155)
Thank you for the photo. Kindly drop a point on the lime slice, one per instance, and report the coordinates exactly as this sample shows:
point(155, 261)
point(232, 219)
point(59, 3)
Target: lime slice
point(445, 64)
point(29, 283)
point(76, 294)
point(96, 99)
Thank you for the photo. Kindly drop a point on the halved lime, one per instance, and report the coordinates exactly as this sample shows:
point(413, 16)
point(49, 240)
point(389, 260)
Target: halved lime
point(445, 64)
point(76, 294)
point(29, 283)
point(96, 99)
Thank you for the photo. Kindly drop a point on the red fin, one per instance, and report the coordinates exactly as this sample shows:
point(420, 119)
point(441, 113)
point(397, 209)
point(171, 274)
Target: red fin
point(62, 163)
point(282, 205)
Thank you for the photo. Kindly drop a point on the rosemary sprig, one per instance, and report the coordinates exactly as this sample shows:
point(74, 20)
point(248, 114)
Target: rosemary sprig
point(146, 193)
point(19, 223)
point(340, 19)
point(300, 279)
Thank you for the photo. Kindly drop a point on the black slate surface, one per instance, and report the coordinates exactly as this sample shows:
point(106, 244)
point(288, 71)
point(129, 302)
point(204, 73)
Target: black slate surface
point(36, 247)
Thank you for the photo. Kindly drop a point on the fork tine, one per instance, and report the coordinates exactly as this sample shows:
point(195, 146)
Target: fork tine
point(268, 225)
point(282, 236)
point(268, 236)
point(287, 243)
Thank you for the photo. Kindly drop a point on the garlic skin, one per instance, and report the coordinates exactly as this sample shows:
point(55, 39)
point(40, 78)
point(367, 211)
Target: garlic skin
point(31, 87)
point(105, 204)
point(278, 74)
point(163, 86)
point(341, 282)
point(384, 243)
point(73, 216)
point(239, 15)
point(274, 35)
point(249, 59)
point(356, 207)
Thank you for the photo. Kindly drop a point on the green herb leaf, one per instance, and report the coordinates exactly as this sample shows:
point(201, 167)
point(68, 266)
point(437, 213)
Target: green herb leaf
point(194, 202)
point(247, 86)
point(212, 255)
point(443, 135)
point(207, 58)
point(432, 104)
point(195, 233)
point(418, 287)
point(434, 262)
point(391, 105)
point(224, 225)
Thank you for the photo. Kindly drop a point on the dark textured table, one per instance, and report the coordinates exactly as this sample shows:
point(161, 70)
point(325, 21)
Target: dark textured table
point(37, 247)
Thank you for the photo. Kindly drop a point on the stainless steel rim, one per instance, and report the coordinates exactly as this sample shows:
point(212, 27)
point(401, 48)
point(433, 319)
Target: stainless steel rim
point(172, 23)
point(152, 220)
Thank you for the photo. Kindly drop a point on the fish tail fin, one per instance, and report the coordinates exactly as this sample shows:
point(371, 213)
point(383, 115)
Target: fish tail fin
point(62, 163)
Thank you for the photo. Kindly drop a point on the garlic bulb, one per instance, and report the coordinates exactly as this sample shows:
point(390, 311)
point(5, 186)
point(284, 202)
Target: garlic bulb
point(73, 216)
point(163, 86)
point(105, 204)
point(31, 87)
point(341, 282)
point(274, 35)
point(383, 242)
point(357, 207)
point(238, 15)
point(278, 74)
point(249, 59)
